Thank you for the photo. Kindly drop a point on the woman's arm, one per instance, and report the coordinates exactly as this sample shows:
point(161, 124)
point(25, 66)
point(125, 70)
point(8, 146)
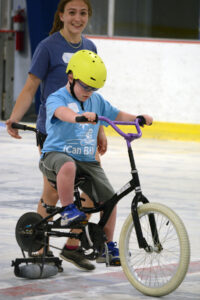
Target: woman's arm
point(23, 103)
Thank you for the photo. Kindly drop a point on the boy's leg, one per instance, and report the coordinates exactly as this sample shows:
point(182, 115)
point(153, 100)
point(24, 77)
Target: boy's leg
point(74, 243)
point(66, 171)
point(112, 249)
point(49, 196)
point(65, 183)
point(71, 251)
point(99, 188)
point(73, 255)
point(109, 228)
point(80, 261)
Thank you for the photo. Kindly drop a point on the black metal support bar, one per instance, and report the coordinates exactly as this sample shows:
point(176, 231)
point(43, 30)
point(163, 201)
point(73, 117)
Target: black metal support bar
point(134, 210)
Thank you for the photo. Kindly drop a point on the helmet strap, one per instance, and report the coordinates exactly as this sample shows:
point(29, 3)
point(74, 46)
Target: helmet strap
point(73, 94)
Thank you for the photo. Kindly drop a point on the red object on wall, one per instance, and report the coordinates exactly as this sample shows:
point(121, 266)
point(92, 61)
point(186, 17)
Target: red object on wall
point(19, 28)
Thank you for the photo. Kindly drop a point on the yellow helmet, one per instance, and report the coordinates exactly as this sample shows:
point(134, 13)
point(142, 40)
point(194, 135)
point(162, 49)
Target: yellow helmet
point(88, 67)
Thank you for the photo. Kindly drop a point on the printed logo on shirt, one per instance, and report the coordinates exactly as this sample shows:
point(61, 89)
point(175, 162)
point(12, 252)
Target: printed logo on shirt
point(88, 140)
point(84, 145)
point(66, 57)
point(74, 107)
point(83, 151)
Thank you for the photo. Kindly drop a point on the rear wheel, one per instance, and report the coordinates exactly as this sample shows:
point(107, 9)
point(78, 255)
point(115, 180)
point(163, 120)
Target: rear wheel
point(161, 270)
point(28, 237)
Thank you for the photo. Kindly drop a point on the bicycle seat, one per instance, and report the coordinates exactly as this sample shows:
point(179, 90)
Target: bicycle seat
point(78, 181)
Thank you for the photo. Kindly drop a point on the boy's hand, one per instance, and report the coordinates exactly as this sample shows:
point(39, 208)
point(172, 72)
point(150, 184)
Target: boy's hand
point(87, 117)
point(149, 119)
point(91, 116)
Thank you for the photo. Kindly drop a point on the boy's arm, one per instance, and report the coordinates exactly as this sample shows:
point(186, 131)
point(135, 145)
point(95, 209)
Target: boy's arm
point(123, 116)
point(66, 114)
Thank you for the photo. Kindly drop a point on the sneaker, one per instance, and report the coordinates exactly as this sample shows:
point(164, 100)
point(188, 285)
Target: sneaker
point(77, 258)
point(71, 214)
point(113, 253)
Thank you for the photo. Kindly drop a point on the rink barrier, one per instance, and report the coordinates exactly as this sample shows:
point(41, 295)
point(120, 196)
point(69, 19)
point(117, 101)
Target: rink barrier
point(159, 130)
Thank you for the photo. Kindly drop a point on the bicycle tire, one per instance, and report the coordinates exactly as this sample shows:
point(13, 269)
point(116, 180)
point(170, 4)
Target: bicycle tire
point(158, 274)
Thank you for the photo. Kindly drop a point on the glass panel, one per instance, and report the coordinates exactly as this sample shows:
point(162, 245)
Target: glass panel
point(99, 21)
point(148, 18)
point(133, 18)
point(5, 14)
point(175, 19)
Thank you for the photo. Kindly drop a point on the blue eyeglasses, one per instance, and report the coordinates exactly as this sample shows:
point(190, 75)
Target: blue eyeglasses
point(86, 87)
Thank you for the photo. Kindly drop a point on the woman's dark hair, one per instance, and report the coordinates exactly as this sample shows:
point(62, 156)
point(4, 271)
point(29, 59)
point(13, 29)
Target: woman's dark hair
point(57, 23)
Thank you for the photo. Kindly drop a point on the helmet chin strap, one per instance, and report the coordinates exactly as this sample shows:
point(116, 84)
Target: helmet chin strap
point(73, 94)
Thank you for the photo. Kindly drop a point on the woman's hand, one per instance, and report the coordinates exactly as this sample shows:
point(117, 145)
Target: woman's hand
point(101, 141)
point(12, 131)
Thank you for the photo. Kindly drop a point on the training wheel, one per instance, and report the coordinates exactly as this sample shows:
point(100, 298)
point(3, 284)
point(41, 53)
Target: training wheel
point(36, 271)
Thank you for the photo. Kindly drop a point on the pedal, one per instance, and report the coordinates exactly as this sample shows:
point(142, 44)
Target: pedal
point(116, 263)
point(76, 225)
point(84, 222)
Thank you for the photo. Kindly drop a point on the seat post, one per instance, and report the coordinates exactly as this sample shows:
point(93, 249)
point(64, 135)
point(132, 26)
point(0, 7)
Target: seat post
point(77, 197)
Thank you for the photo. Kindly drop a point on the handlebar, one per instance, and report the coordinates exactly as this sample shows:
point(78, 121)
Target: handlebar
point(128, 136)
point(23, 127)
point(83, 119)
point(140, 121)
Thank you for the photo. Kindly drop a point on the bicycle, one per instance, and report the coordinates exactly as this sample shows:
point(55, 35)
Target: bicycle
point(154, 245)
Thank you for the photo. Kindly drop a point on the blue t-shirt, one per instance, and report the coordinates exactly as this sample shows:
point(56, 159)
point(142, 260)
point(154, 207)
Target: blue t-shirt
point(49, 64)
point(78, 140)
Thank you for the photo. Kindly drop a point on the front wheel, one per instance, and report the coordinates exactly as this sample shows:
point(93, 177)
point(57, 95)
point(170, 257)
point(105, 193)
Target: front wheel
point(161, 270)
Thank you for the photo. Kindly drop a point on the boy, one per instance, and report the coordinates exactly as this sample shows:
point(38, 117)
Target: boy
point(70, 147)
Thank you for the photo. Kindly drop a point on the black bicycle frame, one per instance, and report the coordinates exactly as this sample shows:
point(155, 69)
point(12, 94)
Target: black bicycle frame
point(107, 207)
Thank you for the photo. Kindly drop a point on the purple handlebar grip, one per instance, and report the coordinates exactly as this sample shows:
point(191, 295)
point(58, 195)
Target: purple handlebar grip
point(128, 136)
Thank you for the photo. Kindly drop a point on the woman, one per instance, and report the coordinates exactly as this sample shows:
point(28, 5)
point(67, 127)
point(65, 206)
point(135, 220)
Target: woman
point(48, 69)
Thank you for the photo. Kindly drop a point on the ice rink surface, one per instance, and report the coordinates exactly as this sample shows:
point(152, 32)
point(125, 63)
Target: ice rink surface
point(169, 173)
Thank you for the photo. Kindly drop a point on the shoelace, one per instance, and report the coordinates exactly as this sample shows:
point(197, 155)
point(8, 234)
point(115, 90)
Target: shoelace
point(113, 249)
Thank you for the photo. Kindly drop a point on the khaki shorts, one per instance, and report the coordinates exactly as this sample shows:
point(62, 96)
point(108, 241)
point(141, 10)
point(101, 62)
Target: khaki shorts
point(97, 186)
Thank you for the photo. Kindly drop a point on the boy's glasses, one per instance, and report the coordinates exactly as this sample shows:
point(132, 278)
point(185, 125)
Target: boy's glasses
point(86, 87)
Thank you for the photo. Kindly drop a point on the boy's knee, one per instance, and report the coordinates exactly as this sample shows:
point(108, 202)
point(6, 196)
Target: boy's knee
point(68, 168)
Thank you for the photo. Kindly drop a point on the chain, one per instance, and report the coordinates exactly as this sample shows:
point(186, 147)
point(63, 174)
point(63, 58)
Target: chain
point(71, 44)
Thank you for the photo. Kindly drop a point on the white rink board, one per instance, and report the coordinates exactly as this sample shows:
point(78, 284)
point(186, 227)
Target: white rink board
point(156, 77)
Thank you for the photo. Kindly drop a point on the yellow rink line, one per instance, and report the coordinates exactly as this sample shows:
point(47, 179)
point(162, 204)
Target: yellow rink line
point(164, 131)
